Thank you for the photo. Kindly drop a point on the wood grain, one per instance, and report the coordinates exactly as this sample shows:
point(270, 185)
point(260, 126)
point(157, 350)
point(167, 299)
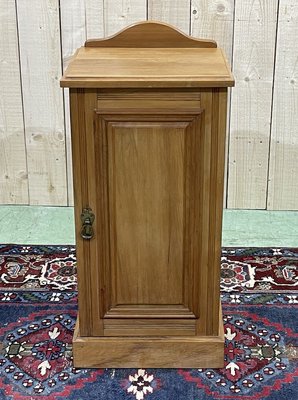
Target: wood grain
point(82, 109)
point(146, 194)
point(142, 261)
point(283, 172)
point(161, 100)
point(218, 141)
point(146, 311)
point(154, 352)
point(13, 164)
point(40, 59)
point(149, 327)
point(150, 34)
point(184, 67)
point(174, 12)
point(255, 29)
point(163, 264)
point(149, 163)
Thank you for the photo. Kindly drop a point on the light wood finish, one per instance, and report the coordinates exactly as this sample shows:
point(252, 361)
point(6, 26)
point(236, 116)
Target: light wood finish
point(82, 110)
point(13, 164)
point(153, 352)
point(137, 203)
point(146, 179)
point(179, 67)
point(149, 327)
point(283, 172)
point(148, 34)
point(250, 120)
point(149, 162)
point(40, 60)
point(161, 99)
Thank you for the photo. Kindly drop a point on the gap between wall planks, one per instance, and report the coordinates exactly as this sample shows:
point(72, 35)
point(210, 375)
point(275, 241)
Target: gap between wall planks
point(47, 37)
point(13, 165)
point(174, 12)
point(73, 35)
point(283, 167)
point(215, 20)
point(120, 13)
point(40, 64)
point(253, 67)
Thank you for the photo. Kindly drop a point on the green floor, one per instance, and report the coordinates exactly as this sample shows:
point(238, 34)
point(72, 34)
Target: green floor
point(54, 225)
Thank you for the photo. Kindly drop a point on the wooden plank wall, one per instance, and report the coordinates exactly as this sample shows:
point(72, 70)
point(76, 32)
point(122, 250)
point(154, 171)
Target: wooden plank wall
point(283, 166)
point(13, 162)
point(253, 66)
point(259, 38)
point(40, 65)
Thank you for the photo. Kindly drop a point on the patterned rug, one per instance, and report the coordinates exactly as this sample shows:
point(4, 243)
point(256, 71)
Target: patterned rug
point(38, 307)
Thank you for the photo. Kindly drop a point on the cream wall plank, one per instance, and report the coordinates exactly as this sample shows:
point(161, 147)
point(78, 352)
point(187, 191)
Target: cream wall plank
point(73, 35)
point(94, 19)
point(175, 12)
point(120, 13)
point(254, 48)
point(214, 19)
point(283, 171)
point(40, 55)
point(13, 168)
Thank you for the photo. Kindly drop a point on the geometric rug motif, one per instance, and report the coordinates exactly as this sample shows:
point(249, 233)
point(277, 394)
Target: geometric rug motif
point(37, 361)
point(37, 355)
point(256, 360)
point(38, 314)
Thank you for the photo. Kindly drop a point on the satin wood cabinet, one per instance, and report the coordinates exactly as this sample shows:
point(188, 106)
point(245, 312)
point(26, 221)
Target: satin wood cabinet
point(148, 119)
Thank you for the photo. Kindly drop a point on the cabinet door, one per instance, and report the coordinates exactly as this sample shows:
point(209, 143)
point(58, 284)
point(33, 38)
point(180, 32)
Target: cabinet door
point(149, 164)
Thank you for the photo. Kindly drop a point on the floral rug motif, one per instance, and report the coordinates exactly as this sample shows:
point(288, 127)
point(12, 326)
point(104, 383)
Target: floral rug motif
point(38, 308)
point(27, 267)
point(54, 268)
point(259, 269)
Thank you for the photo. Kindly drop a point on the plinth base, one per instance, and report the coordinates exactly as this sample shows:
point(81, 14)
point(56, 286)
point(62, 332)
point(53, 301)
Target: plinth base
point(149, 352)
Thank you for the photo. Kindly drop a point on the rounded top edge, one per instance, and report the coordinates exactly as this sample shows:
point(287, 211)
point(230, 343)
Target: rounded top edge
point(151, 34)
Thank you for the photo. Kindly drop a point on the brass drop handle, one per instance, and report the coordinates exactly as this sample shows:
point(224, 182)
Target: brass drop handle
point(87, 218)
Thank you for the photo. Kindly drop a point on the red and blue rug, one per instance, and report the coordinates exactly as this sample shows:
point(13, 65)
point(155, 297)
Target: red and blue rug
point(38, 307)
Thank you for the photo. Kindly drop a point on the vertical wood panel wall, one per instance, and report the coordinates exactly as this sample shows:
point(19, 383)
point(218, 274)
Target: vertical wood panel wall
point(259, 37)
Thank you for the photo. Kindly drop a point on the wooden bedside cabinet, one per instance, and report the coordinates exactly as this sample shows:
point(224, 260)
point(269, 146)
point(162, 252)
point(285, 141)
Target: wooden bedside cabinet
point(148, 118)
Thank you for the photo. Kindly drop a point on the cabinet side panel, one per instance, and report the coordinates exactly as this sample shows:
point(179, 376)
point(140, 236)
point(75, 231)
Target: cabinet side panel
point(82, 104)
point(203, 209)
point(79, 192)
point(209, 206)
point(218, 140)
point(147, 193)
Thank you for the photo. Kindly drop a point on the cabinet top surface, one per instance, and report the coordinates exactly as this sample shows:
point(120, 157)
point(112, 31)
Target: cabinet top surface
point(148, 55)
